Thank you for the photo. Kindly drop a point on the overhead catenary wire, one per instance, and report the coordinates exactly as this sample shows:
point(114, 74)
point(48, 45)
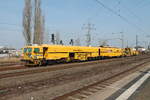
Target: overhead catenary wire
point(9, 24)
point(14, 28)
point(129, 11)
point(10, 29)
point(139, 20)
point(142, 3)
point(119, 15)
point(146, 4)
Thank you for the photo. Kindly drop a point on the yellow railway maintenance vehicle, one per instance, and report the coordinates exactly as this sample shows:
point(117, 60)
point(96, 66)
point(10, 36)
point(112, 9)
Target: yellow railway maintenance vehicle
point(110, 52)
point(47, 54)
point(130, 52)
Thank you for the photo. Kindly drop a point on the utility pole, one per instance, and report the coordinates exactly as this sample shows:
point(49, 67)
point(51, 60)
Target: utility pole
point(103, 42)
point(148, 36)
point(122, 38)
point(77, 42)
point(127, 43)
point(136, 42)
point(89, 27)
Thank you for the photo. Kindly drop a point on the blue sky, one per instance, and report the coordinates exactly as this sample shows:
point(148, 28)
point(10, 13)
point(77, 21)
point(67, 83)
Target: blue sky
point(68, 17)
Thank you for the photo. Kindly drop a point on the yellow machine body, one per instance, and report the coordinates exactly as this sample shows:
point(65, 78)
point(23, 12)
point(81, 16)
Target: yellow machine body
point(44, 54)
point(111, 52)
point(130, 52)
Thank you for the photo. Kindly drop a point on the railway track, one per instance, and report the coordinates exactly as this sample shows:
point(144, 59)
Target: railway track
point(36, 85)
point(55, 67)
point(85, 92)
point(12, 67)
point(10, 64)
point(15, 66)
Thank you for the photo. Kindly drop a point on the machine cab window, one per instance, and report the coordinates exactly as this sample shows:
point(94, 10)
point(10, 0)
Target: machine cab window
point(36, 50)
point(27, 50)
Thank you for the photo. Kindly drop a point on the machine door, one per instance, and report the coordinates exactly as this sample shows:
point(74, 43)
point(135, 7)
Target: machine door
point(72, 56)
point(99, 52)
point(44, 51)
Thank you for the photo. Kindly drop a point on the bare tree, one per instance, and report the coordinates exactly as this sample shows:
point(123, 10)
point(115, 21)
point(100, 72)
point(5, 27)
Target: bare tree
point(57, 38)
point(27, 16)
point(77, 42)
point(38, 24)
point(103, 43)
